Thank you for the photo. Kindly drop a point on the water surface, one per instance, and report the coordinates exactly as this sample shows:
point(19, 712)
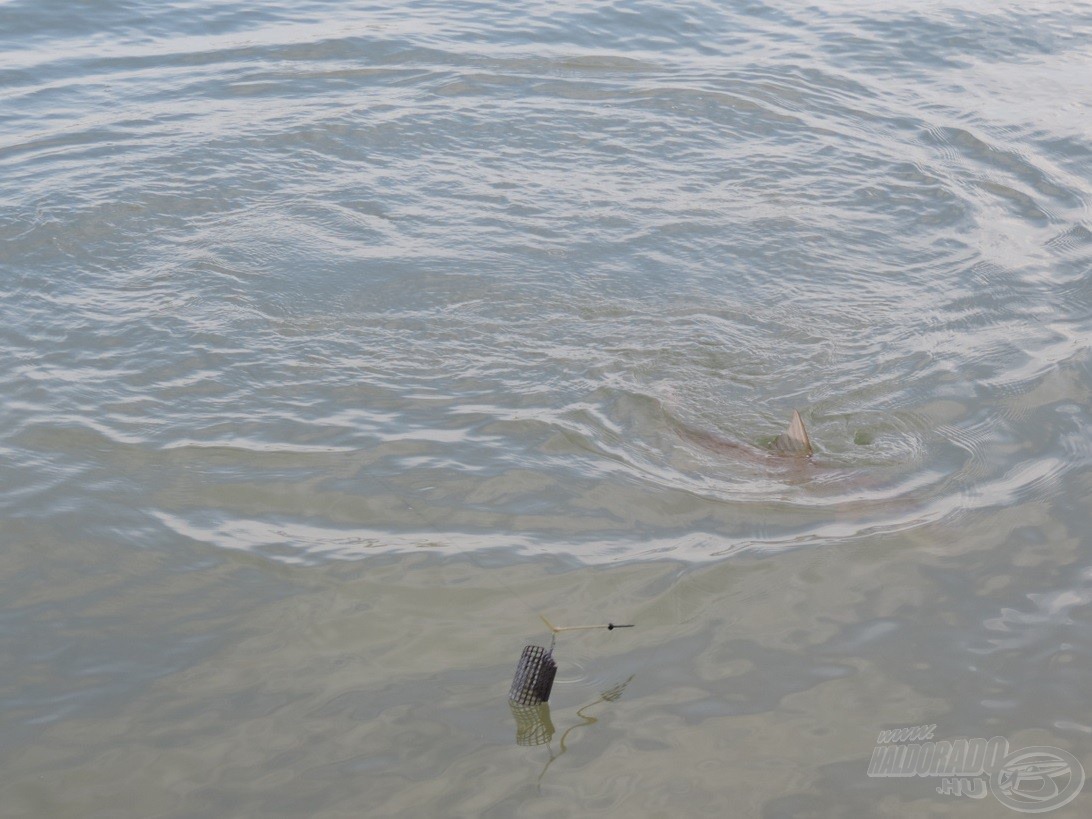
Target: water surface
point(342, 342)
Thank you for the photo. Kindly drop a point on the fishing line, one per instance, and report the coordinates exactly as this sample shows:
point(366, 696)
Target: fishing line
point(536, 669)
point(610, 695)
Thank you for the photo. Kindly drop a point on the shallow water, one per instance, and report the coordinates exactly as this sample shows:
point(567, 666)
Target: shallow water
point(342, 343)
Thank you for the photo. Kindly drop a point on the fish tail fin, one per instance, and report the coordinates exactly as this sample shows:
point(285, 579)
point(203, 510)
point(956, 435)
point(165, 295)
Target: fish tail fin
point(794, 440)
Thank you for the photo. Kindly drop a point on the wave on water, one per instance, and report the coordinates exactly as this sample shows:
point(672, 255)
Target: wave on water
point(313, 282)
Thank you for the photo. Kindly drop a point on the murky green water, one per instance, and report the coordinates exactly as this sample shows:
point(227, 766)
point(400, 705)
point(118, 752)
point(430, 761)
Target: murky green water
point(343, 341)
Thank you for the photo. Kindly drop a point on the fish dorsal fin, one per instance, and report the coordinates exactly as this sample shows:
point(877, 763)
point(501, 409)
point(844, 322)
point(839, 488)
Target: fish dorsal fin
point(794, 440)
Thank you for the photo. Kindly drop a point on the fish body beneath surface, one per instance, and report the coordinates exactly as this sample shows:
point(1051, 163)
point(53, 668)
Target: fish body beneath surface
point(793, 442)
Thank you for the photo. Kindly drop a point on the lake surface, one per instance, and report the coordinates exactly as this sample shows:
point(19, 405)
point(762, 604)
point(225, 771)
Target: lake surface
point(342, 341)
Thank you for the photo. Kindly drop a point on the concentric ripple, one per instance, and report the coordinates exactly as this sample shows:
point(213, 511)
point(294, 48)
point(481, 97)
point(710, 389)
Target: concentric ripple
point(312, 282)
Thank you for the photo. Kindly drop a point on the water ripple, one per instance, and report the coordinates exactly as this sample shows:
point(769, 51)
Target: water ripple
point(314, 285)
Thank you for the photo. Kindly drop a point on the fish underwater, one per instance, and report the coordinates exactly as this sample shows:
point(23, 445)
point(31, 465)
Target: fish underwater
point(792, 443)
point(790, 459)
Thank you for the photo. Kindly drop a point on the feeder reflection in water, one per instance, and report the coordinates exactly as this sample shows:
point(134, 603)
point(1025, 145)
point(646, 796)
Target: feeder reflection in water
point(535, 727)
point(533, 724)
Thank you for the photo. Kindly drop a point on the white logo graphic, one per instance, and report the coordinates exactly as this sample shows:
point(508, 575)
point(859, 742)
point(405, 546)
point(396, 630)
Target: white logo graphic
point(1035, 780)
point(1030, 780)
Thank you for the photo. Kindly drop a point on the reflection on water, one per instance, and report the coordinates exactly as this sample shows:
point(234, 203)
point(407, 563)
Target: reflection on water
point(534, 726)
point(533, 723)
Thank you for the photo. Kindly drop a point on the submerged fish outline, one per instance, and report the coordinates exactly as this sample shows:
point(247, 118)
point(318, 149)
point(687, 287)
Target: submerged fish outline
point(793, 442)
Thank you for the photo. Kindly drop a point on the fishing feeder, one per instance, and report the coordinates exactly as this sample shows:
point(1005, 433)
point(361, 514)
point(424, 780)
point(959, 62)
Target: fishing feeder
point(534, 677)
point(535, 672)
